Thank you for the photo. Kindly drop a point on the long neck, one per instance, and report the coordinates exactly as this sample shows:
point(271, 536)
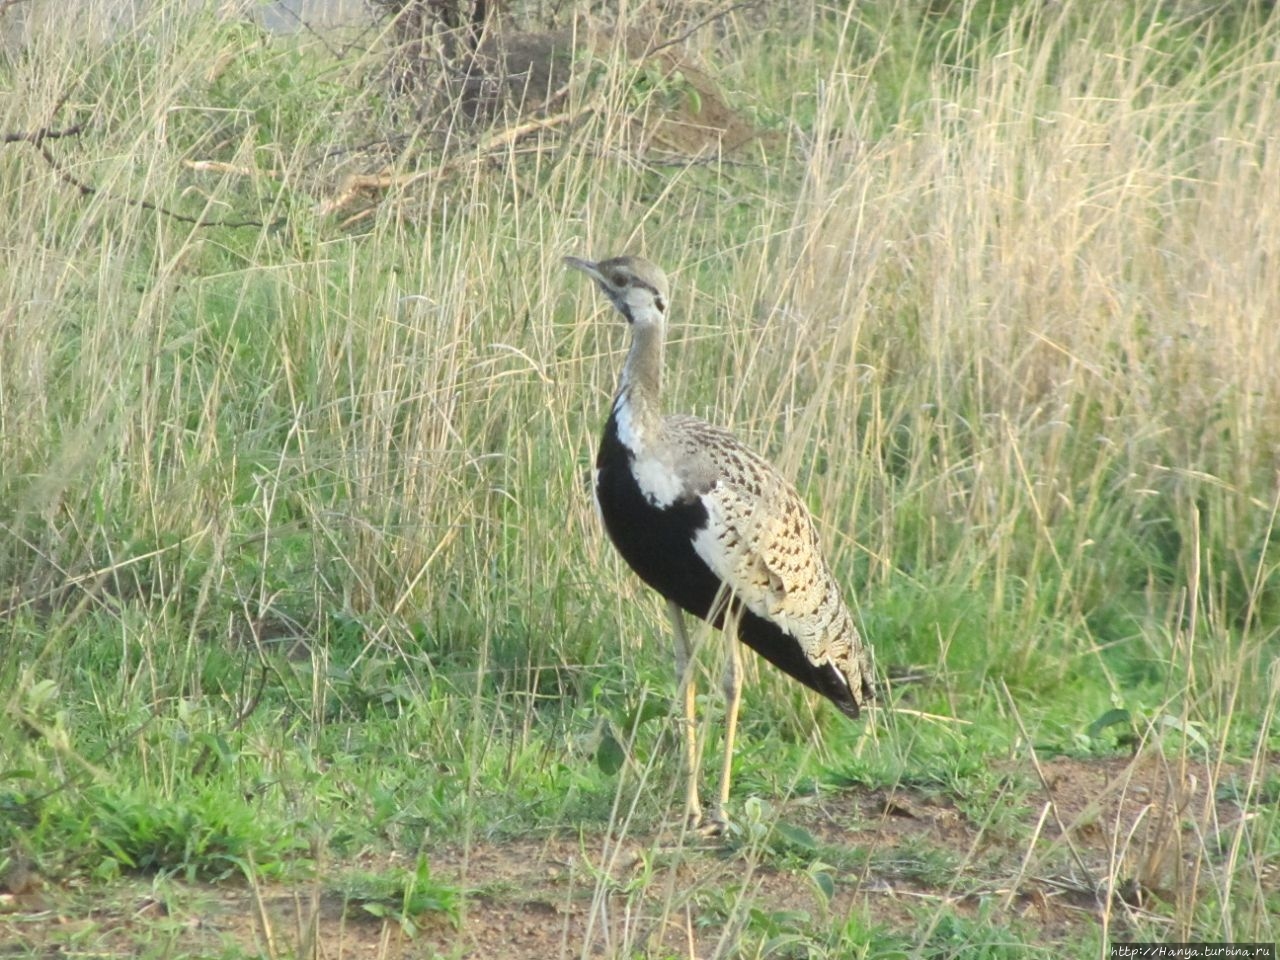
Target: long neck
point(639, 392)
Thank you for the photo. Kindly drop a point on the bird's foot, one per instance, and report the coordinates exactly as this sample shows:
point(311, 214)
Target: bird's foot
point(711, 825)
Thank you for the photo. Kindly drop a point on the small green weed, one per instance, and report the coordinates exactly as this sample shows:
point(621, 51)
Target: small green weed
point(407, 896)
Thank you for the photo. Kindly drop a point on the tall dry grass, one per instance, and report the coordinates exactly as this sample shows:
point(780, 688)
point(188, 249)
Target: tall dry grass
point(1014, 338)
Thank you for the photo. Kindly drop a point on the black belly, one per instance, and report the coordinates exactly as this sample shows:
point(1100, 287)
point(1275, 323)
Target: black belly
point(657, 543)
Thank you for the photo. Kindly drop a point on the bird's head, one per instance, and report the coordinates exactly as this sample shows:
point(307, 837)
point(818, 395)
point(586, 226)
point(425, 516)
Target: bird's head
point(635, 286)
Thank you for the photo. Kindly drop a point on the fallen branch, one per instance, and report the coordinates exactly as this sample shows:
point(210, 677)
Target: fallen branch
point(219, 166)
point(88, 189)
point(47, 132)
point(39, 140)
point(357, 184)
point(37, 137)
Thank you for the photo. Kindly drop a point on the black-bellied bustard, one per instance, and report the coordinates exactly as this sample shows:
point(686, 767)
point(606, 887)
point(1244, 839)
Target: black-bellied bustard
point(717, 531)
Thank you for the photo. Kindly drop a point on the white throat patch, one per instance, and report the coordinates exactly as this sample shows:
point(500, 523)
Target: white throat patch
point(626, 429)
point(657, 479)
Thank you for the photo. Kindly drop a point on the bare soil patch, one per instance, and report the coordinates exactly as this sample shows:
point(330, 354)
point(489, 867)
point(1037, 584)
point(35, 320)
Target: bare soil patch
point(1092, 840)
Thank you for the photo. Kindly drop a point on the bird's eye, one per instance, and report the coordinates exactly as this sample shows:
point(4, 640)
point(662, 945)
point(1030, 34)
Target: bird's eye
point(660, 303)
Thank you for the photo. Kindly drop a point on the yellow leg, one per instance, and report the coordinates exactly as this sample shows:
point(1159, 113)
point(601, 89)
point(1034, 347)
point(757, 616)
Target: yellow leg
point(732, 700)
point(688, 694)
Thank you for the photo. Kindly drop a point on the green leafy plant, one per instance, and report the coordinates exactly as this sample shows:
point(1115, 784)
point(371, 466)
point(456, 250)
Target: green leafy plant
point(407, 896)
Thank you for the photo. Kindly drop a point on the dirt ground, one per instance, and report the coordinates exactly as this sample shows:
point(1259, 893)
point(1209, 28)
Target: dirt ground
point(1094, 843)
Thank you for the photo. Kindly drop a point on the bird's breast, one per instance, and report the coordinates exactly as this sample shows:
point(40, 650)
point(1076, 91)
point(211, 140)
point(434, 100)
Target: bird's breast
point(652, 465)
point(654, 526)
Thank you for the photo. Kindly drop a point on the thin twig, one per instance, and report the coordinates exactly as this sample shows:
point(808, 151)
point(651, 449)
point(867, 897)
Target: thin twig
point(38, 137)
point(47, 132)
point(88, 189)
point(710, 18)
point(201, 763)
point(1063, 830)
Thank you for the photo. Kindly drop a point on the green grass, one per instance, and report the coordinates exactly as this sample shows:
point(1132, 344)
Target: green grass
point(297, 554)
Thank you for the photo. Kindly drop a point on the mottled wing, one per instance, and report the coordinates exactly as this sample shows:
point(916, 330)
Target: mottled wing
point(761, 541)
